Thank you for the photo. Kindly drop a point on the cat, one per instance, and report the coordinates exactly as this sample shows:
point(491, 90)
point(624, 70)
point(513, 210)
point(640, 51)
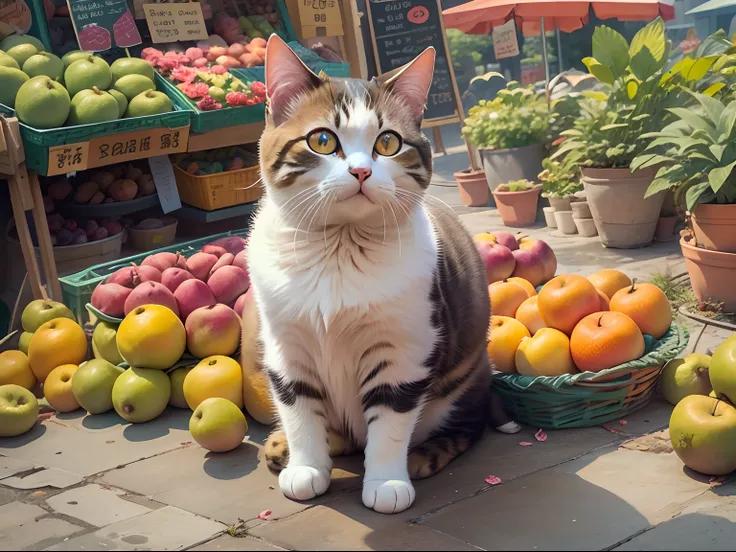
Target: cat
point(372, 299)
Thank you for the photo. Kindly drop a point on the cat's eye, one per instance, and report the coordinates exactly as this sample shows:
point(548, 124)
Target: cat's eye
point(322, 141)
point(388, 144)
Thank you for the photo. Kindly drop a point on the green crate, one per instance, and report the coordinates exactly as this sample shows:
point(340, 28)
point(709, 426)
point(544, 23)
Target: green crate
point(206, 121)
point(77, 288)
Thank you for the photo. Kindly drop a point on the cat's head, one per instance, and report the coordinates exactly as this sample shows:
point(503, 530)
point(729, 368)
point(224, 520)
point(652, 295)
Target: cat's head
point(346, 149)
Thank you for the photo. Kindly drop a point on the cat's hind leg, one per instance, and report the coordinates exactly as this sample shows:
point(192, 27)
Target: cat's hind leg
point(276, 449)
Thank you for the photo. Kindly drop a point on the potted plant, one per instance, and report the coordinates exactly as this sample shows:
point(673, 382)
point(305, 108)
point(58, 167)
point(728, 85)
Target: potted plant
point(560, 182)
point(517, 202)
point(510, 133)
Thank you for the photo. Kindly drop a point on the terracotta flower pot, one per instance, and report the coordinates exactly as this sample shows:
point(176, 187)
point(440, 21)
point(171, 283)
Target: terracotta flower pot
point(473, 187)
point(715, 227)
point(518, 208)
point(616, 199)
point(712, 274)
point(665, 231)
point(507, 165)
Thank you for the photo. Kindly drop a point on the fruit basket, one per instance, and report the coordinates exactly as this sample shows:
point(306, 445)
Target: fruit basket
point(589, 398)
point(215, 191)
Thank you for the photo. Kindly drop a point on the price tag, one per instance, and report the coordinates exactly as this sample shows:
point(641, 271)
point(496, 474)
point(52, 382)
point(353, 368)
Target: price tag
point(505, 44)
point(68, 158)
point(175, 22)
point(118, 148)
point(320, 18)
point(165, 181)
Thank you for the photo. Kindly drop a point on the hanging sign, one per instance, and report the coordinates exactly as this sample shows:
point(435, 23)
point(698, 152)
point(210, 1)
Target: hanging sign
point(102, 24)
point(320, 18)
point(175, 22)
point(505, 44)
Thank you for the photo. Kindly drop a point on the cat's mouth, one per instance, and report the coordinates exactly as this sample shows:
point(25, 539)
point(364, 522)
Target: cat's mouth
point(359, 195)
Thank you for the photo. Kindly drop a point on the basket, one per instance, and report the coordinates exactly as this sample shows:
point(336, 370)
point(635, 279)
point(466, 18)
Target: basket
point(589, 398)
point(215, 191)
point(77, 288)
point(155, 238)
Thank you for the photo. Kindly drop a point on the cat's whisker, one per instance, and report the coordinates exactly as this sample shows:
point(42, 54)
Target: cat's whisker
point(296, 230)
point(398, 230)
point(327, 213)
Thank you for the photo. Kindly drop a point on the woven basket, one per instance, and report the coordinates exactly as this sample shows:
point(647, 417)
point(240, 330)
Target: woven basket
point(589, 398)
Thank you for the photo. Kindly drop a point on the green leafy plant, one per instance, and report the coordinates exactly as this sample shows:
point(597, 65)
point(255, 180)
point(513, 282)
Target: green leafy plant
point(560, 178)
point(478, 47)
point(516, 186)
point(517, 117)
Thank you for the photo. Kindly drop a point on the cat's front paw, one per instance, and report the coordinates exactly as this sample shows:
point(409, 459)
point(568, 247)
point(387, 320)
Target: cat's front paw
point(388, 496)
point(303, 482)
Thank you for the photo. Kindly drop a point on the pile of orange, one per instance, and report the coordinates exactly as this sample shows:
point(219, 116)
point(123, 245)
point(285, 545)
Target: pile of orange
point(574, 323)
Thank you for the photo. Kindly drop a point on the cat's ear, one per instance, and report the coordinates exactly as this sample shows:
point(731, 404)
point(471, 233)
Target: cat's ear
point(411, 82)
point(287, 77)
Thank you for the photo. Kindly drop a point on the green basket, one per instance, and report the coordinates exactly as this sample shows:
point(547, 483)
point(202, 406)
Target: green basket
point(206, 121)
point(589, 398)
point(77, 288)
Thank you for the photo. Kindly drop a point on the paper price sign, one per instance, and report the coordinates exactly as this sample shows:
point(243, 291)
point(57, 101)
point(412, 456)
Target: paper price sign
point(68, 158)
point(505, 44)
point(175, 22)
point(325, 14)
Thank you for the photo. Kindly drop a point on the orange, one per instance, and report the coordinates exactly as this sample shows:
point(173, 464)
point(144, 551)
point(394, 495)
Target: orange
point(504, 336)
point(214, 376)
point(545, 354)
point(605, 339)
point(565, 300)
point(15, 368)
point(528, 314)
point(506, 298)
point(56, 342)
point(526, 284)
point(647, 305)
point(58, 388)
point(605, 303)
point(609, 281)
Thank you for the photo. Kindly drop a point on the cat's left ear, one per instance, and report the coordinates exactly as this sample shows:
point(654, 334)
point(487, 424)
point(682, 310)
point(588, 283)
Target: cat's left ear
point(411, 82)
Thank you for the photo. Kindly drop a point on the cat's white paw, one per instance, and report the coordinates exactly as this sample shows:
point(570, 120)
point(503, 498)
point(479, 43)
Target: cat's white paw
point(303, 482)
point(388, 496)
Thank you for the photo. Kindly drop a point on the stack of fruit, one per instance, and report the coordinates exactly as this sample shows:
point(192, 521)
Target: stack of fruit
point(50, 92)
point(703, 423)
point(203, 163)
point(571, 325)
point(507, 255)
point(67, 231)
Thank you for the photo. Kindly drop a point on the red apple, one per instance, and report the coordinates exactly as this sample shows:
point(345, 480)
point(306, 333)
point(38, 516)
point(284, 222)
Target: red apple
point(542, 251)
point(507, 239)
point(498, 260)
point(529, 266)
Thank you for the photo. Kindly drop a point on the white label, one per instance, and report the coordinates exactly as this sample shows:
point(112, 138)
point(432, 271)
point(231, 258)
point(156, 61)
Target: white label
point(504, 40)
point(165, 181)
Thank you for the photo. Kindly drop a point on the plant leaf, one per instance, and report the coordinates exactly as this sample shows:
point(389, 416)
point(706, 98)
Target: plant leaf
point(602, 72)
point(713, 108)
point(699, 69)
point(652, 38)
point(726, 122)
point(644, 64)
point(614, 126)
point(693, 119)
point(658, 185)
point(699, 193)
point(717, 150)
point(718, 176)
point(610, 48)
point(647, 160)
point(713, 89)
point(632, 87)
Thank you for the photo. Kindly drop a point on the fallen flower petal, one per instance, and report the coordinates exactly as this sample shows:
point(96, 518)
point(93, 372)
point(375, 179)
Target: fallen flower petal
point(265, 515)
point(623, 422)
point(493, 480)
point(525, 444)
point(540, 436)
point(716, 481)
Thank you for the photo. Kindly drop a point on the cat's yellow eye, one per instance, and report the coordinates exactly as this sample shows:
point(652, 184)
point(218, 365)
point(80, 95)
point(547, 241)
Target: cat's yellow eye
point(387, 144)
point(322, 141)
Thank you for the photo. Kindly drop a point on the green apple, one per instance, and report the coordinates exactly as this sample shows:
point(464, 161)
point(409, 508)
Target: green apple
point(87, 72)
point(141, 394)
point(723, 369)
point(104, 343)
point(703, 434)
point(682, 377)
point(92, 385)
point(46, 64)
point(74, 55)
point(218, 425)
point(24, 341)
point(149, 103)
point(18, 410)
point(177, 387)
point(40, 311)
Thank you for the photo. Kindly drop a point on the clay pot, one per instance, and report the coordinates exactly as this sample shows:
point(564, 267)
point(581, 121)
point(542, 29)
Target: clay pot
point(616, 198)
point(565, 222)
point(715, 227)
point(712, 274)
point(518, 208)
point(473, 187)
point(581, 210)
point(507, 165)
point(549, 217)
point(560, 203)
point(665, 231)
point(586, 226)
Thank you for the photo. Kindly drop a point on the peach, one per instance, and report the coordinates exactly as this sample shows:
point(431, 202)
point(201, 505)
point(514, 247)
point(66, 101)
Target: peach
point(215, 52)
point(192, 294)
point(151, 293)
point(228, 283)
point(529, 267)
point(236, 50)
point(165, 260)
point(609, 281)
point(232, 244)
point(200, 265)
point(567, 299)
point(497, 259)
point(131, 276)
point(528, 314)
point(543, 252)
point(243, 301)
point(241, 261)
point(215, 250)
point(506, 297)
point(225, 260)
point(110, 299)
point(213, 330)
point(504, 335)
point(174, 276)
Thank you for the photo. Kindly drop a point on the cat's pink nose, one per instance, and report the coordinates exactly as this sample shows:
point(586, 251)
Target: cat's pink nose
point(361, 173)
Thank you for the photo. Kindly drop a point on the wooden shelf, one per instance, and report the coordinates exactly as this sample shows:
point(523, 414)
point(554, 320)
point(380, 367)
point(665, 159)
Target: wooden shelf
point(226, 137)
point(200, 215)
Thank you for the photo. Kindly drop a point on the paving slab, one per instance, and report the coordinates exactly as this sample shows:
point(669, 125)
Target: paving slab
point(706, 523)
point(96, 505)
point(11, 466)
point(166, 529)
point(86, 445)
point(47, 477)
point(6, 496)
point(20, 528)
point(248, 544)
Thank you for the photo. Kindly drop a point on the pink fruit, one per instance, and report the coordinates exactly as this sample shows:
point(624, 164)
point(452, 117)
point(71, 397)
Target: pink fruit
point(113, 227)
point(544, 252)
point(242, 301)
point(194, 53)
point(151, 293)
point(200, 264)
point(231, 244)
point(165, 260)
point(122, 277)
point(110, 299)
point(228, 62)
point(498, 260)
point(70, 225)
point(213, 330)
point(215, 250)
point(216, 51)
point(225, 260)
point(145, 273)
point(200, 62)
point(173, 277)
point(218, 69)
point(529, 266)
point(507, 239)
point(91, 227)
point(228, 283)
point(80, 239)
point(241, 260)
point(236, 50)
point(191, 295)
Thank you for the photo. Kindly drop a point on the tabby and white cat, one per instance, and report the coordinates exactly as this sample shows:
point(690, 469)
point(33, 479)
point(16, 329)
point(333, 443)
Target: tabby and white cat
point(373, 302)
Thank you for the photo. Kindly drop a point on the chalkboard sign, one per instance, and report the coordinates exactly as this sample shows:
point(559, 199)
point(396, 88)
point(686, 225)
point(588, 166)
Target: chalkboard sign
point(401, 30)
point(102, 24)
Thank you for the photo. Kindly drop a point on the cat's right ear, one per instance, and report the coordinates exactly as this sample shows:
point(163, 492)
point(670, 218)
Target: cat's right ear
point(287, 78)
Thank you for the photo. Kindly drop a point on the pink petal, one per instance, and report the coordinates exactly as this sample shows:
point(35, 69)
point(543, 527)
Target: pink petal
point(525, 444)
point(540, 436)
point(623, 422)
point(493, 480)
point(716, 481)
point(265, 515)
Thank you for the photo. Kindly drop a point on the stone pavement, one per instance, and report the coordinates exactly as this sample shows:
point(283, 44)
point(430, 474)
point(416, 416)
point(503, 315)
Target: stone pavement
point(91, 483)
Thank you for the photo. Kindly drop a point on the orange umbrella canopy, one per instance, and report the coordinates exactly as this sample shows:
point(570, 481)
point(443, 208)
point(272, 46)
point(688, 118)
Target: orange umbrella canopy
point(480, 16)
